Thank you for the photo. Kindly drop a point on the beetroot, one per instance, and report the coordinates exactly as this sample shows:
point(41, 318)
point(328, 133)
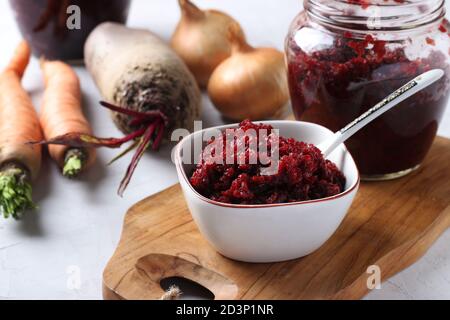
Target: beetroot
point(149, 90)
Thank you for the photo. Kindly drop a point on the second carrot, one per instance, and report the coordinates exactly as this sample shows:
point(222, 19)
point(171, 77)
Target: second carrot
point(61, 113)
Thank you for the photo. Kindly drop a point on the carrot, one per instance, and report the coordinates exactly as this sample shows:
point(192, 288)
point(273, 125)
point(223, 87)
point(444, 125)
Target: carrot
point(61, 113)
point(19, 162)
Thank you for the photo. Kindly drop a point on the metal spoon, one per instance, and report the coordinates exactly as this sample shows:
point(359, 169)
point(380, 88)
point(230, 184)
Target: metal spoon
point(409, 89)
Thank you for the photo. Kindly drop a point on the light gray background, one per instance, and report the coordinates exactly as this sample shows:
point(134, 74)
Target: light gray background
point(79, 222)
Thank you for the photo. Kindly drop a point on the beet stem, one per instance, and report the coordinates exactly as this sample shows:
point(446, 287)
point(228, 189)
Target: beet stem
point(124, 153)
point(81, 140)
point(157, 142)
point(131, 136)
point(143, 145)
point(148, 115)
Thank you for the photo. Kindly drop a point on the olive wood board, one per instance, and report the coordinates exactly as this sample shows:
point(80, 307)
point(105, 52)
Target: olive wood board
point(391, 224)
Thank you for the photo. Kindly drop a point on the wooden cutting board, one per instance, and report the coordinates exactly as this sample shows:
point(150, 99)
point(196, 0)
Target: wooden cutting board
point(391, 225)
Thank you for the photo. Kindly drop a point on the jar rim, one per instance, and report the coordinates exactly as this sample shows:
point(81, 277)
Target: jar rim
point(376, 15)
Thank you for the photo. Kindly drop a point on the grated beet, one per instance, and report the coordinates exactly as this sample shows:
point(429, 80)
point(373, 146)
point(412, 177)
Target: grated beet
point(334, 84)
point(303, 173)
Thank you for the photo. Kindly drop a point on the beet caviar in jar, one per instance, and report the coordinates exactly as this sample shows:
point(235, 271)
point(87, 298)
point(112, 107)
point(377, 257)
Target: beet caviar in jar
point(57, 29)
point(344, 56)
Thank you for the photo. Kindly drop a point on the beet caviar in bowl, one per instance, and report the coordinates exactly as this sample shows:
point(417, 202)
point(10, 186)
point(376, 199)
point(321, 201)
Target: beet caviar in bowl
point(266, 197)
point(346, 56)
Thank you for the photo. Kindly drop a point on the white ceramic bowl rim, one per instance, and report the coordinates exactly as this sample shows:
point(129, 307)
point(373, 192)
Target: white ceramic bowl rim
point(178, 163)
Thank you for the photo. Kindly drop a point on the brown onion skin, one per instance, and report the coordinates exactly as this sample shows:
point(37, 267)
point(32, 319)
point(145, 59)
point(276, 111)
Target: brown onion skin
point(251, 84)
point(201, 40)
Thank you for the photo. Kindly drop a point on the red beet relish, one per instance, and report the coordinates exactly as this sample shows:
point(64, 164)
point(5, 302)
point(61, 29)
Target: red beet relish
point(334, 84)
point(303, 173)
point(44, 24)
point(367, 3)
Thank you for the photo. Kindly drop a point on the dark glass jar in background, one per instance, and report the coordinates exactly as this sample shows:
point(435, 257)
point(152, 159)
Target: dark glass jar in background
point(344, 57)
point(43, 23)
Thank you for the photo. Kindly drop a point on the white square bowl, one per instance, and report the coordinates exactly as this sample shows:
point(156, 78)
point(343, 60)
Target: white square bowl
point(275, 232)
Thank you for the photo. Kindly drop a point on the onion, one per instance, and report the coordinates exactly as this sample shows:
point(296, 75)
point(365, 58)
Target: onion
point(200, 39)
point(251, 83)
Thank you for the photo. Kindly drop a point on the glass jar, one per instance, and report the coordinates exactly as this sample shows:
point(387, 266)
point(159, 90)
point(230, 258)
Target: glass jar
point(53, 29)
point(344, 57)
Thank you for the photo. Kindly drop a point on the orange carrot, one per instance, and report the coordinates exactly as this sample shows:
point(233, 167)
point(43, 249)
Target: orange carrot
point(61, 114)
point(19, 123)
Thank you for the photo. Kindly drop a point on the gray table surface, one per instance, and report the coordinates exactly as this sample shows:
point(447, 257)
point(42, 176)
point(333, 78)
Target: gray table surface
point(59, 252)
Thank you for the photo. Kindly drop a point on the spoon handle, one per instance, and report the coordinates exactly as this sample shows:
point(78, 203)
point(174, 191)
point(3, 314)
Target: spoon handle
point(409, 89)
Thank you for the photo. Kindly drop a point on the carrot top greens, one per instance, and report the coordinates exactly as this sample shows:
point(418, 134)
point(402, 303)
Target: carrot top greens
point(15, 192)
point(74, 162)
